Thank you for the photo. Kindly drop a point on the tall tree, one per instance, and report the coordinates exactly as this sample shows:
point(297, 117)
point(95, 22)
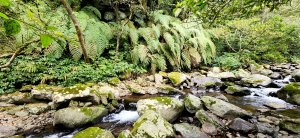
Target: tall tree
point(78, 30)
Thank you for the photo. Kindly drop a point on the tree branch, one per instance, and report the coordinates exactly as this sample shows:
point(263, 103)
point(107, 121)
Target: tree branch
point(78, 30)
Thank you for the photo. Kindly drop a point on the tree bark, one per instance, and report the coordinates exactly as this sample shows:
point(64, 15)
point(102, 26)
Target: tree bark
point(78, 30)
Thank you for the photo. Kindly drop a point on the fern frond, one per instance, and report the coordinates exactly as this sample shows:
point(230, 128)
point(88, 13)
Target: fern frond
point(54, 50)
point(92, 12)
point(186, 59)
point(133, 35)
point(75, 51)
point(159, 62)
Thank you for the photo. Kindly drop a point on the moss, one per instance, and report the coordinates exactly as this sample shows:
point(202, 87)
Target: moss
point(125, 134)
point(290, 126)
point(291, 113)
point(114, 81)
point(291, 93)
point(94, 132)
point(164, 74)
point(176, 77)
point(87, 111)
point(163, 100)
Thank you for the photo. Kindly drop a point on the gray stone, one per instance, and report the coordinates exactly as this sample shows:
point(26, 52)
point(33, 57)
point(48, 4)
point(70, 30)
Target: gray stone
point(209, 129)
point(203, 82)
point(192, 103)
point(275, 75)
point(275, 105)
point(151, 124)
point(222, 108)
point(168, 108)
point(73, 117)
point(237, 90)
point(189, 131)
point(21, 113)
point(205, 117)
point(241, 125)
point(7, 131)
point(264, 128)
point(296, 74)
point(158, 79)
point(290, 93)
point(257, 80)
point(242, 74)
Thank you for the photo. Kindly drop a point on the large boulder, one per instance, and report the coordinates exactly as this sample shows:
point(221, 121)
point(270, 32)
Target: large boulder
point(202, 82)
point(222, 75)
point(257, 80)
point(222, 108)
point(151, 124)
point(242, 74)
point(292, 125)
point(192, 103)
point(189, 131)
point(205, 117)
point(241, 125)
point(168, 108)
point(296, 74)
point(237, 90)
point(290, 93)
point(177, 78)
point(73, 117)
point(94, 132)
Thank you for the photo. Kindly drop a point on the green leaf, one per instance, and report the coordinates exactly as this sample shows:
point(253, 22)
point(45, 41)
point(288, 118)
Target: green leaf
point(51, 28)
point(12, 27)
point(3, 16)
point(46, 40)
point(5, 3)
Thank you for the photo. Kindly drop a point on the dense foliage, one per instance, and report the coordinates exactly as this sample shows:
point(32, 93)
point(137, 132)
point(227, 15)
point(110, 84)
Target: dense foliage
point(67, 72)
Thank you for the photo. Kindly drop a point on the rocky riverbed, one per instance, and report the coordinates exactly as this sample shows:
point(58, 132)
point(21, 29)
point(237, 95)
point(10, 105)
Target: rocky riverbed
point(261, 101)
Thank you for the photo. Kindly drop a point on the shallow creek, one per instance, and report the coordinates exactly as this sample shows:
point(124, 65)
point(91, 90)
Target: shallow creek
point(126, 115)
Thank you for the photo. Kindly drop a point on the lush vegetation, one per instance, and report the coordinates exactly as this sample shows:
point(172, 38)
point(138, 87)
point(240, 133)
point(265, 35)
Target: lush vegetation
point(40, 44)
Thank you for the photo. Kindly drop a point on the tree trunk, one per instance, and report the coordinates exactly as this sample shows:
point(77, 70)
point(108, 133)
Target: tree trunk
point(78, 30)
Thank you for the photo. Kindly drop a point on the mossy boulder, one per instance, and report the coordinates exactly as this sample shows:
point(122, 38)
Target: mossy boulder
point(202, 81)
point(205, 117)
point(177, 78)
point(296, 75)
point(152, 125)
point(292, 125)
point(21, 98)
point(256, 80)
point(241, 73)
point(192, 103)
point(189, 131)
point(125, 134)
point(290, 93)
point(94, 132)
point(237, 90)
point(222, 108)
point(114, 81)
point(169, 108)
point(73, 117)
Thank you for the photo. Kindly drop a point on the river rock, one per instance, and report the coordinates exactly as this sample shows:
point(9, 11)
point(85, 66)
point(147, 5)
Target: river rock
point(189, 131)
point(257, 80)
point(290, 93)
point(7, 131)
point(241, 125)
point(222, 108)
point(209, 129)
point(264, 128)
point(203, 82)
point(37, 108)
point(151, 124)
point(296, 75)
point(177, 78)
point(237, 90)
point(192, 103)
point(21, 98)
point(222, 75)
point(255, 68)
point(275, 105)
point(275, 75)
point(292, 125)
point(205, 117)
point(241, 73)
point(94, 132)
point(73, 117)
point(168, 108)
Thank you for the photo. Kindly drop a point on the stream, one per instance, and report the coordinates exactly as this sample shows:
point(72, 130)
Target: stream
point(126, 115)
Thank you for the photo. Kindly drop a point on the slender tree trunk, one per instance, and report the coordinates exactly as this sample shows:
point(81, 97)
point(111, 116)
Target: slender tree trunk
point(78, 30)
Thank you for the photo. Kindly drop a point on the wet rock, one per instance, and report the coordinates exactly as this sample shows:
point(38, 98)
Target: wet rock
point(257, 80)
point(237, 90)
point(73, 117)
point(209, 129)
point(189, 131)
point(292, 125)
point(222, 108)
point(192, 103)
point(241, 125)
point(264, 128)
point(241, 73)
point(21, 98)
point(203, 82)
point(205, 117)
point(275, 75)
point(7, 131)
point(275, 105)
point(290, 93)
point(296, 75)
point(94, 132)
point(168, 108)
point(177, 78)
point(151, 124)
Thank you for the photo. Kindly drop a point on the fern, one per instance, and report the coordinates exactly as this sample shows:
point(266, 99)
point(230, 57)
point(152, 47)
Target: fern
point(92, 12)
point(54, 50)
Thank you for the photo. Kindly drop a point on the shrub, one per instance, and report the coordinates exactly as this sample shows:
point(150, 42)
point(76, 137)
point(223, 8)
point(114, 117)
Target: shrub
point(268, 40)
